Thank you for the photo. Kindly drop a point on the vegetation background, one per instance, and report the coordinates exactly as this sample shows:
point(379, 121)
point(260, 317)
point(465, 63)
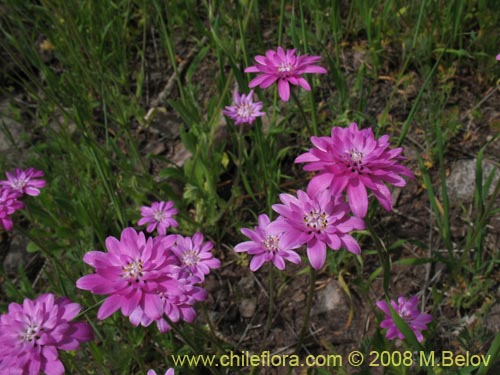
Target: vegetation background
point(119, 103)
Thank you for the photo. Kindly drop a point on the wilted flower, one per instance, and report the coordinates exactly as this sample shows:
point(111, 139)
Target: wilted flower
point(408, 310)
point(317, 220)
point(243, 110)
point(170, 371)
point(32, 333)
point(266, 246)
point(25, 182)
point(286, 68)
point(9, 204)
point(353, 160)
point(159, 216)
point(195, 256)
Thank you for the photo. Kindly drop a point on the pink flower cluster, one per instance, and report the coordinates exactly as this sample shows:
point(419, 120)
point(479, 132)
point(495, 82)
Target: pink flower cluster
point(149, 279)
point(282, 67)
point(18, 183)
point(32, 333)
point(350, 161)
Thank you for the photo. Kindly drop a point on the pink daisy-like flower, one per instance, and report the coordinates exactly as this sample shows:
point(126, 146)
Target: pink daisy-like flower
point(170, 371)
point(244, 110)
point(408, 310)
point(133, 272)
point(318, 221)
point(266, 246)
point(286, 68)
point(498, 57)
point(32, 333)
point(195, 256)
point(8, 205)
point(159, 216)
point(25, 182)
point(353, 160)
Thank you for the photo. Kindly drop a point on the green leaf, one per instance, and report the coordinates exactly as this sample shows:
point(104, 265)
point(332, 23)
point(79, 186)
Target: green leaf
point(493, 354)
point(405, 329)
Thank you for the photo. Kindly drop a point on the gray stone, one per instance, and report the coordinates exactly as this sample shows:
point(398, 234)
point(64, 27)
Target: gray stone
point(17, 254)
point(462, 180)
point(331, 299)
point(247, 307)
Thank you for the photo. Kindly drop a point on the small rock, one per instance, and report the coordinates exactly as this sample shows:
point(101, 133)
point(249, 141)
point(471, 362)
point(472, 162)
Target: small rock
point(461, 182)
point(247, 307)
point(330, 299)
point(17, 254)
point(246, 283)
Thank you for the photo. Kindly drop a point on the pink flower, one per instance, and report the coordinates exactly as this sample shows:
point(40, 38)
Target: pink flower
point(8, 205)
point(318, 221)
point(353, 160)
point(286, 68)
point(143, 279)
point(133, 272)
point(408, 310)
point(170, 371)
point(177, 304)
point(266, 246)
point(244, 109)
point(498, 57)
point(25, 182)
point(195, 256)
point(159, 216)
point(32, 333)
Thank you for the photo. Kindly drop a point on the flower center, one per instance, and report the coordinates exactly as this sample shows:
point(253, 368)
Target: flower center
point(31, 332)
point(285, 68)
point(19, 184)
point(354, 160)
point(133, 270)
point(159, 215)
point(316, 220)
point(190, 258)
point(271, 243)
point(405, 313)
point(245, 111)
point(356, 156)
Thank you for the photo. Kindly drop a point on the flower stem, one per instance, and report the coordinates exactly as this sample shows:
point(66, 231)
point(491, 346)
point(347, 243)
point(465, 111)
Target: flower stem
point(271, 300)
point(179, 332)
point(385, 260)
point(307, 315)
point(213, 336)
point(314, 130)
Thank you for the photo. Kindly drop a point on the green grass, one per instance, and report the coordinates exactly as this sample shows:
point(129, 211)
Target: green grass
point(90, 71)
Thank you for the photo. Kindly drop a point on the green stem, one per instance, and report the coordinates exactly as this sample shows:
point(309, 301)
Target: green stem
point(181, 334)
point(263, 161)
point(213, 336)
point(382, 254)
point(302, 113)
point(175, 328)
point(307, 315)
point(271, 300)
